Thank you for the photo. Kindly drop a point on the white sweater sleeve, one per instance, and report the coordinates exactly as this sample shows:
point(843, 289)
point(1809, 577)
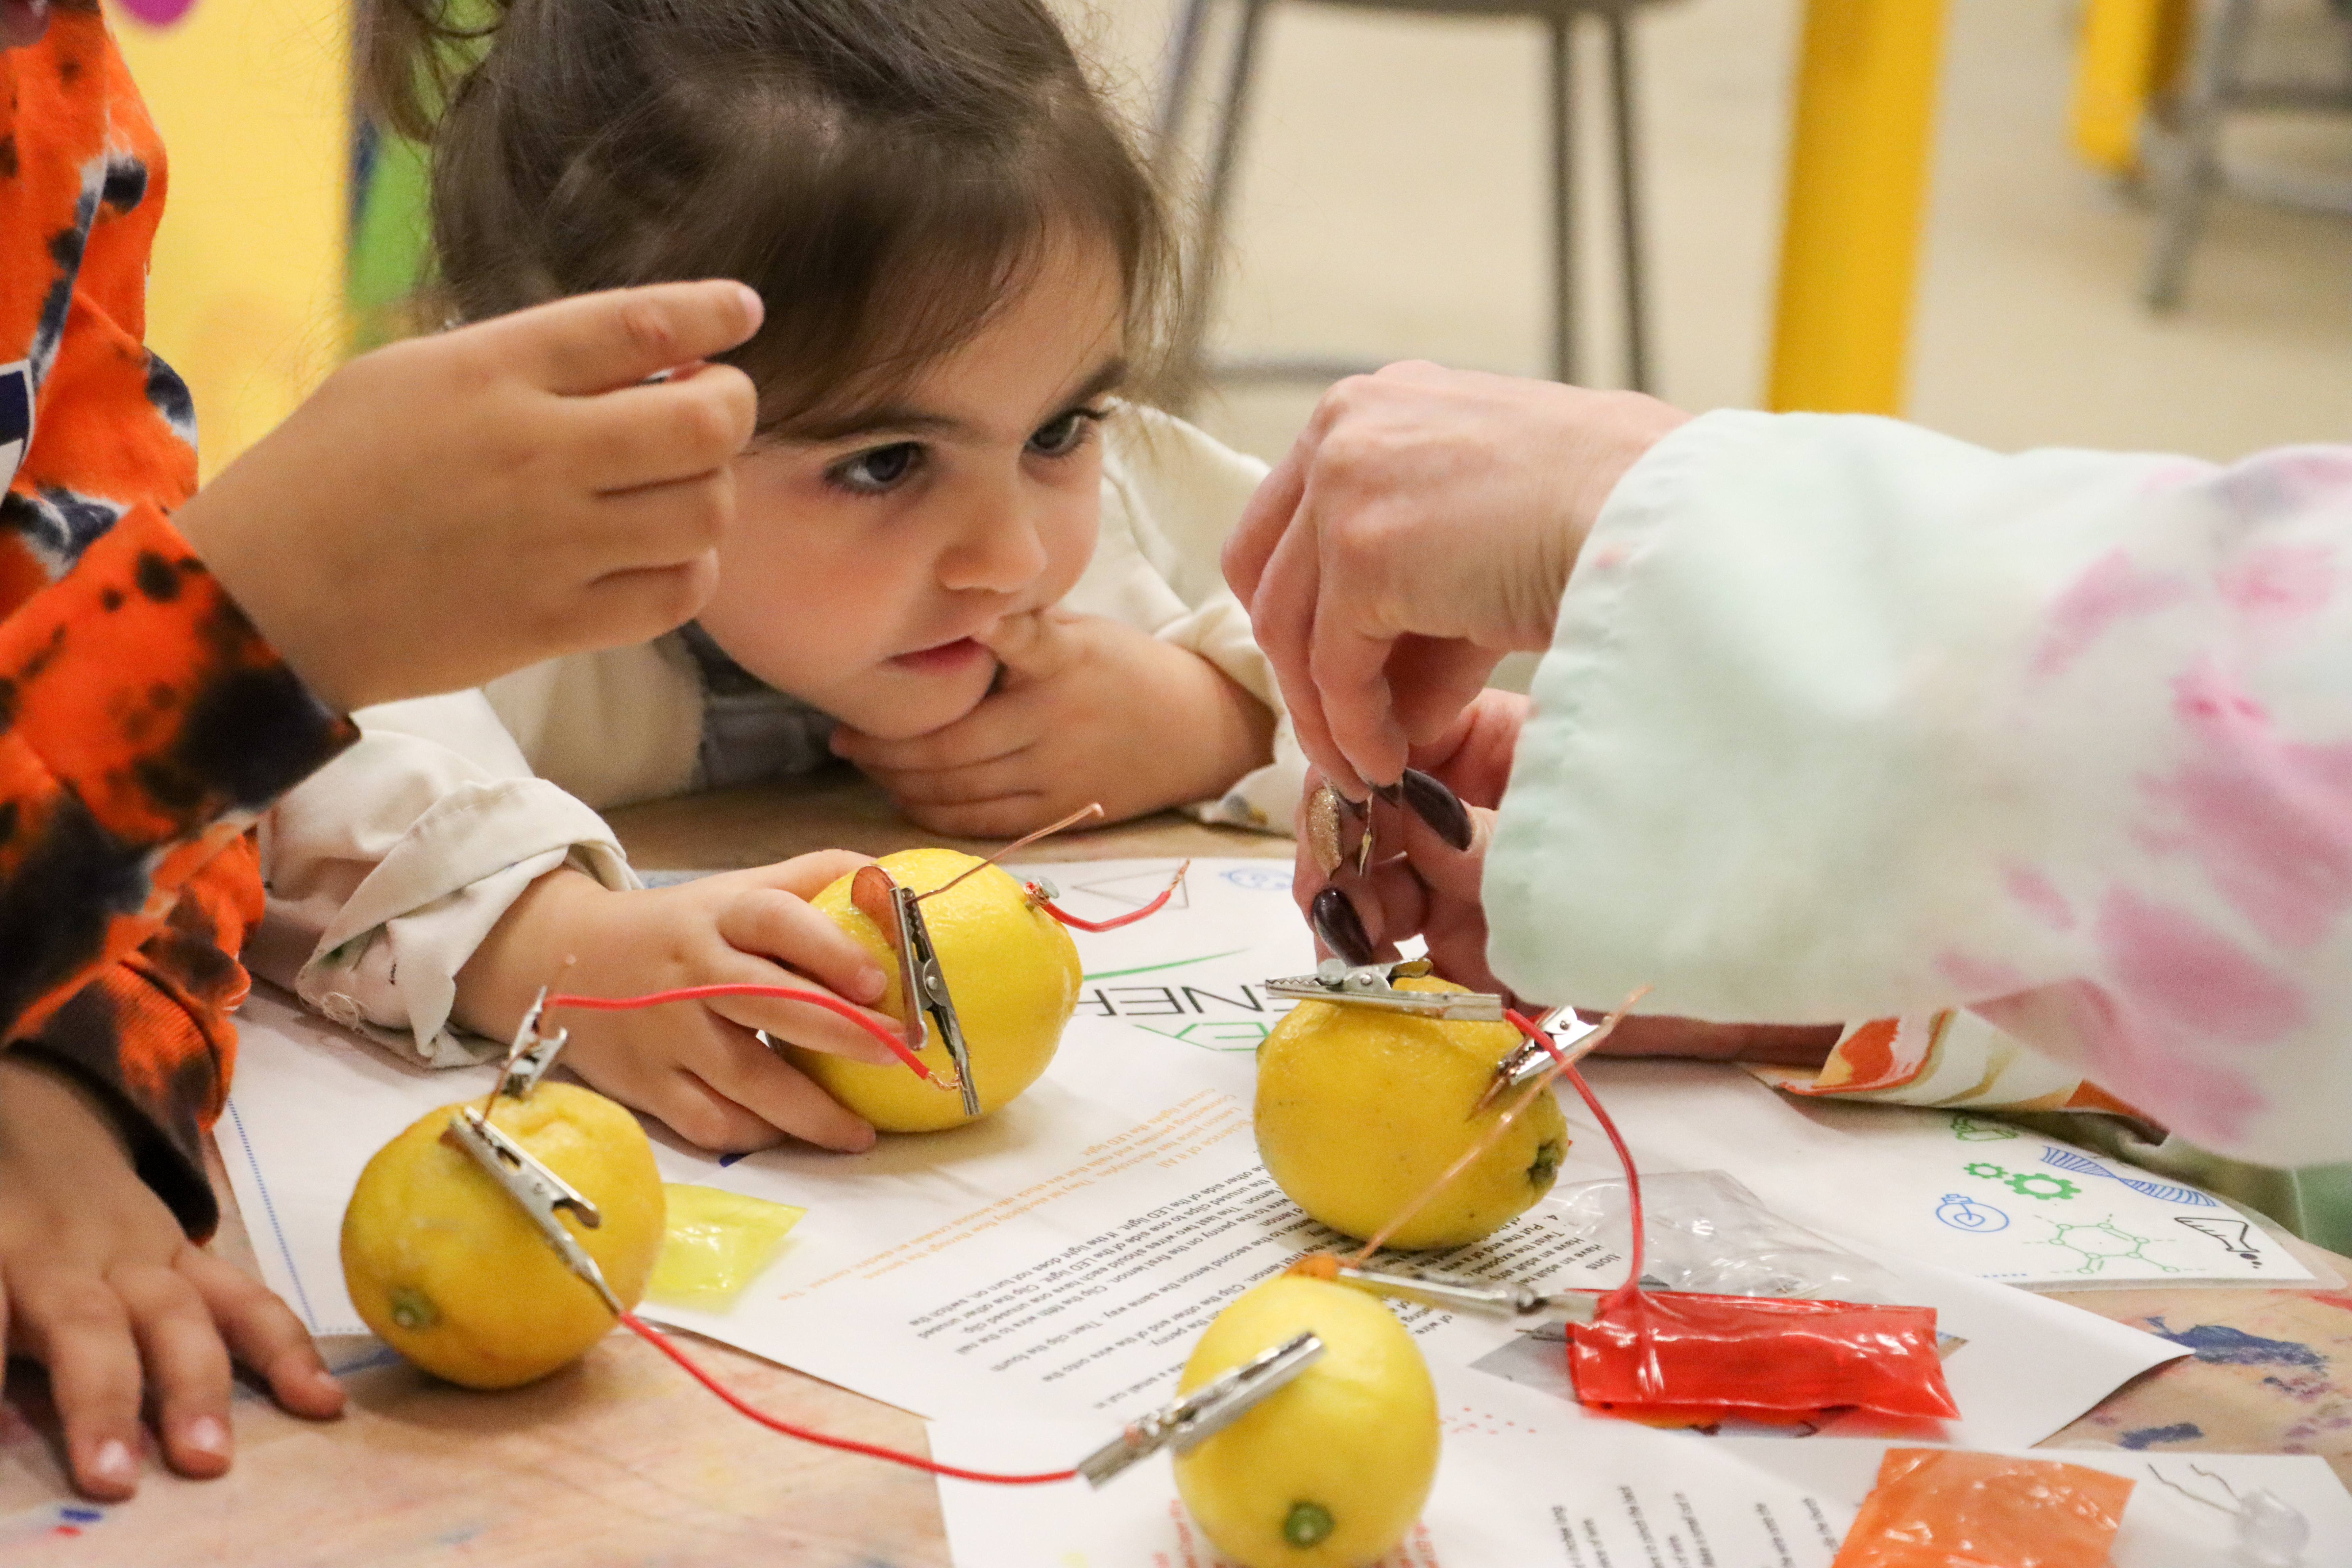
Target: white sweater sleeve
point(1844, 720)
point(387, 868)
point(1170, 495)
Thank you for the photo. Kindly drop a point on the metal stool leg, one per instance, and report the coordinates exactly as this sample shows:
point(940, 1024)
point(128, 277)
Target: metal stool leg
point(1176, 91)
point(1562, 23)
point(2190, 168)
point(1630, 259)
point(1193, 327)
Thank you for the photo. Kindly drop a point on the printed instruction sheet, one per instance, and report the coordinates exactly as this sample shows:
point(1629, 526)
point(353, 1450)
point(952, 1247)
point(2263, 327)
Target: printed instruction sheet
point(1058, 1257)
point(1517, 1485)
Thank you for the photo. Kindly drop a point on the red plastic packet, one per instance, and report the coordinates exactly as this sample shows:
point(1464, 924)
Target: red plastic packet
point(1937, 1508)
point(1687, 1357)
point(1681, 1356)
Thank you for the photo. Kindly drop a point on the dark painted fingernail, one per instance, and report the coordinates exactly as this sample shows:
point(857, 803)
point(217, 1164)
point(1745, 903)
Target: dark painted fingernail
point(1352, 808)
point(1337, 924)
point(1438, 806)
point(1393, 793)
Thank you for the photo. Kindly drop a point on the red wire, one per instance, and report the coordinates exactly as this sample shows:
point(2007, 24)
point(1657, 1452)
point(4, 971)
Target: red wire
point(1037, 897)
point(662, 1342)
point(789, 992)
point(1624, 1156)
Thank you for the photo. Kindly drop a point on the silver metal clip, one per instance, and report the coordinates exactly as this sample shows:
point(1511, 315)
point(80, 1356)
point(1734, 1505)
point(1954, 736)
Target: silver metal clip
point(533, 1053)
point(1528, 1307)
point(925, 986)
point(540, 1191)
point(1368, 985)
point(1208, 1409)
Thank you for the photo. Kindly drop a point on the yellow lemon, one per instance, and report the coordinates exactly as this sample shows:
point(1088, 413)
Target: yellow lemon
point(452, 1274)
point(1331, 1470)
point(1360, 1109)
point(1012, 969)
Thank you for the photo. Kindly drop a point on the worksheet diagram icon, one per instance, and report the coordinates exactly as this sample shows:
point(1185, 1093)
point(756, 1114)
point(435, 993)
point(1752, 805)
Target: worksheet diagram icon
point(1963, 1213)
point(2236, 1236)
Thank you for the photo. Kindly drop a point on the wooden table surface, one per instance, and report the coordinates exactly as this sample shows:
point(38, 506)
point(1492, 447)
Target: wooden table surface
point(620, 1460)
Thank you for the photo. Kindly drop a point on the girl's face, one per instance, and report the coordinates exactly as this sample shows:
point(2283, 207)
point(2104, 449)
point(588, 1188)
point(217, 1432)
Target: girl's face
point(865, 563)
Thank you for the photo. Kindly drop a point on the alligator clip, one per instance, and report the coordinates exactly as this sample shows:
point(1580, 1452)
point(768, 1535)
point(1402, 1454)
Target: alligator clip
point(1369, 985)
point(540, 1191)
point(1527, 1307)
point(1207, 1410)
point(922, 981)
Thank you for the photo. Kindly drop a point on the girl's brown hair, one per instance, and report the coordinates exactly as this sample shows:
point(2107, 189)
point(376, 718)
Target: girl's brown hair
point(885, 173)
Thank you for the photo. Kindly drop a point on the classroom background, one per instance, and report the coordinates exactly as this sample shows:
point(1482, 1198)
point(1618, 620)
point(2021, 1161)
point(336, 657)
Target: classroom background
point(1391, 199)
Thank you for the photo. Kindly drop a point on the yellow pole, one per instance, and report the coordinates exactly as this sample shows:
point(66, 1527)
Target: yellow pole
point(1857, 185)
point(245, 297)
point(2130, 51)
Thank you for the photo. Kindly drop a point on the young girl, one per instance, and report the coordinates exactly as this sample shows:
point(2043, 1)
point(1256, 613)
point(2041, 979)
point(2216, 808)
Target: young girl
point(960, 561)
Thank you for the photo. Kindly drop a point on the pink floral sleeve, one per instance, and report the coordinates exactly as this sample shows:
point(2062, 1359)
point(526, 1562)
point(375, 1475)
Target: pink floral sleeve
point(1845, 719)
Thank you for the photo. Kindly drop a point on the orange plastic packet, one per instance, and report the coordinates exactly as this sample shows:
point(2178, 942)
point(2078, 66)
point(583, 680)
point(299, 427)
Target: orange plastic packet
point(1939, 1508)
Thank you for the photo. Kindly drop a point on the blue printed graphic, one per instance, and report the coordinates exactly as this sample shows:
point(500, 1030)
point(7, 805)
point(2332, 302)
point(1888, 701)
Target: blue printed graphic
point(2067, 1160)
point(1260, 878)
point(1963, 1213)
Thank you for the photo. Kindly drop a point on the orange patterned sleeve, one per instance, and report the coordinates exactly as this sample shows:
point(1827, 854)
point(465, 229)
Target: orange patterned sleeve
point(144, 723)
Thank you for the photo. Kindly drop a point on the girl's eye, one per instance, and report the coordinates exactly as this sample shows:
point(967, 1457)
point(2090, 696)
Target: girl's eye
point(1060, 436)
point(882, 468)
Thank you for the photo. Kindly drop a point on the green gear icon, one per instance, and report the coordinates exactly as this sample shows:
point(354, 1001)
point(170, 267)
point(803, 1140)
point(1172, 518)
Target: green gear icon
point(2022, 1184)
point(1986, 1170)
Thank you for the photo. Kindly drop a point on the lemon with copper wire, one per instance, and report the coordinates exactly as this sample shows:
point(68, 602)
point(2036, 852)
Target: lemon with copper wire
point(1009, 966)
point(1331, 1470)
point(1360, 1110)
point(447, 1269)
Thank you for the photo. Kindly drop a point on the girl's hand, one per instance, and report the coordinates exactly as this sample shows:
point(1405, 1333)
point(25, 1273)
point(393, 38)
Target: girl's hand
point(699, 1065)
point(1085, 710)
point(99, 1284)
point(453, 506)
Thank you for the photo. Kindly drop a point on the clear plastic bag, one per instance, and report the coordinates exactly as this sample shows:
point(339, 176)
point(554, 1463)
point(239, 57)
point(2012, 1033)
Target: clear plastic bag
point(1942, 1507)
point(1707, 1231)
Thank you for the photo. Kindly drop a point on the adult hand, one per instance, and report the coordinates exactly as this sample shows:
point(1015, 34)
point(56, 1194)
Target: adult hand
point(1419, 884)
point(450, 507)
point(1422, 526)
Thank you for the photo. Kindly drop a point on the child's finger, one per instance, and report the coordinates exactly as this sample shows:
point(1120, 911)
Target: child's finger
point(668, 430)
point(1008, 817)
point(979, 737)
point(706, 1118)
point(77, 1327)
point(794, 933)
point(805, 876)
point(960, 786)
point(767, 1086)
point(638, 605)
point(665, 524)
point(757, 1081)
point(264, 1333)
point(1034, 646)
point(187, 1366)
point(597, 342)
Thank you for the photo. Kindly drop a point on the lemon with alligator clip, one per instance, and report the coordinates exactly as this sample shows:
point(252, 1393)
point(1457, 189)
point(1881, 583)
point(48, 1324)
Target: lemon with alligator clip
point(1331, 1470)
point(1010, 967)
point(451, 1272)
point(1361, 1109)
